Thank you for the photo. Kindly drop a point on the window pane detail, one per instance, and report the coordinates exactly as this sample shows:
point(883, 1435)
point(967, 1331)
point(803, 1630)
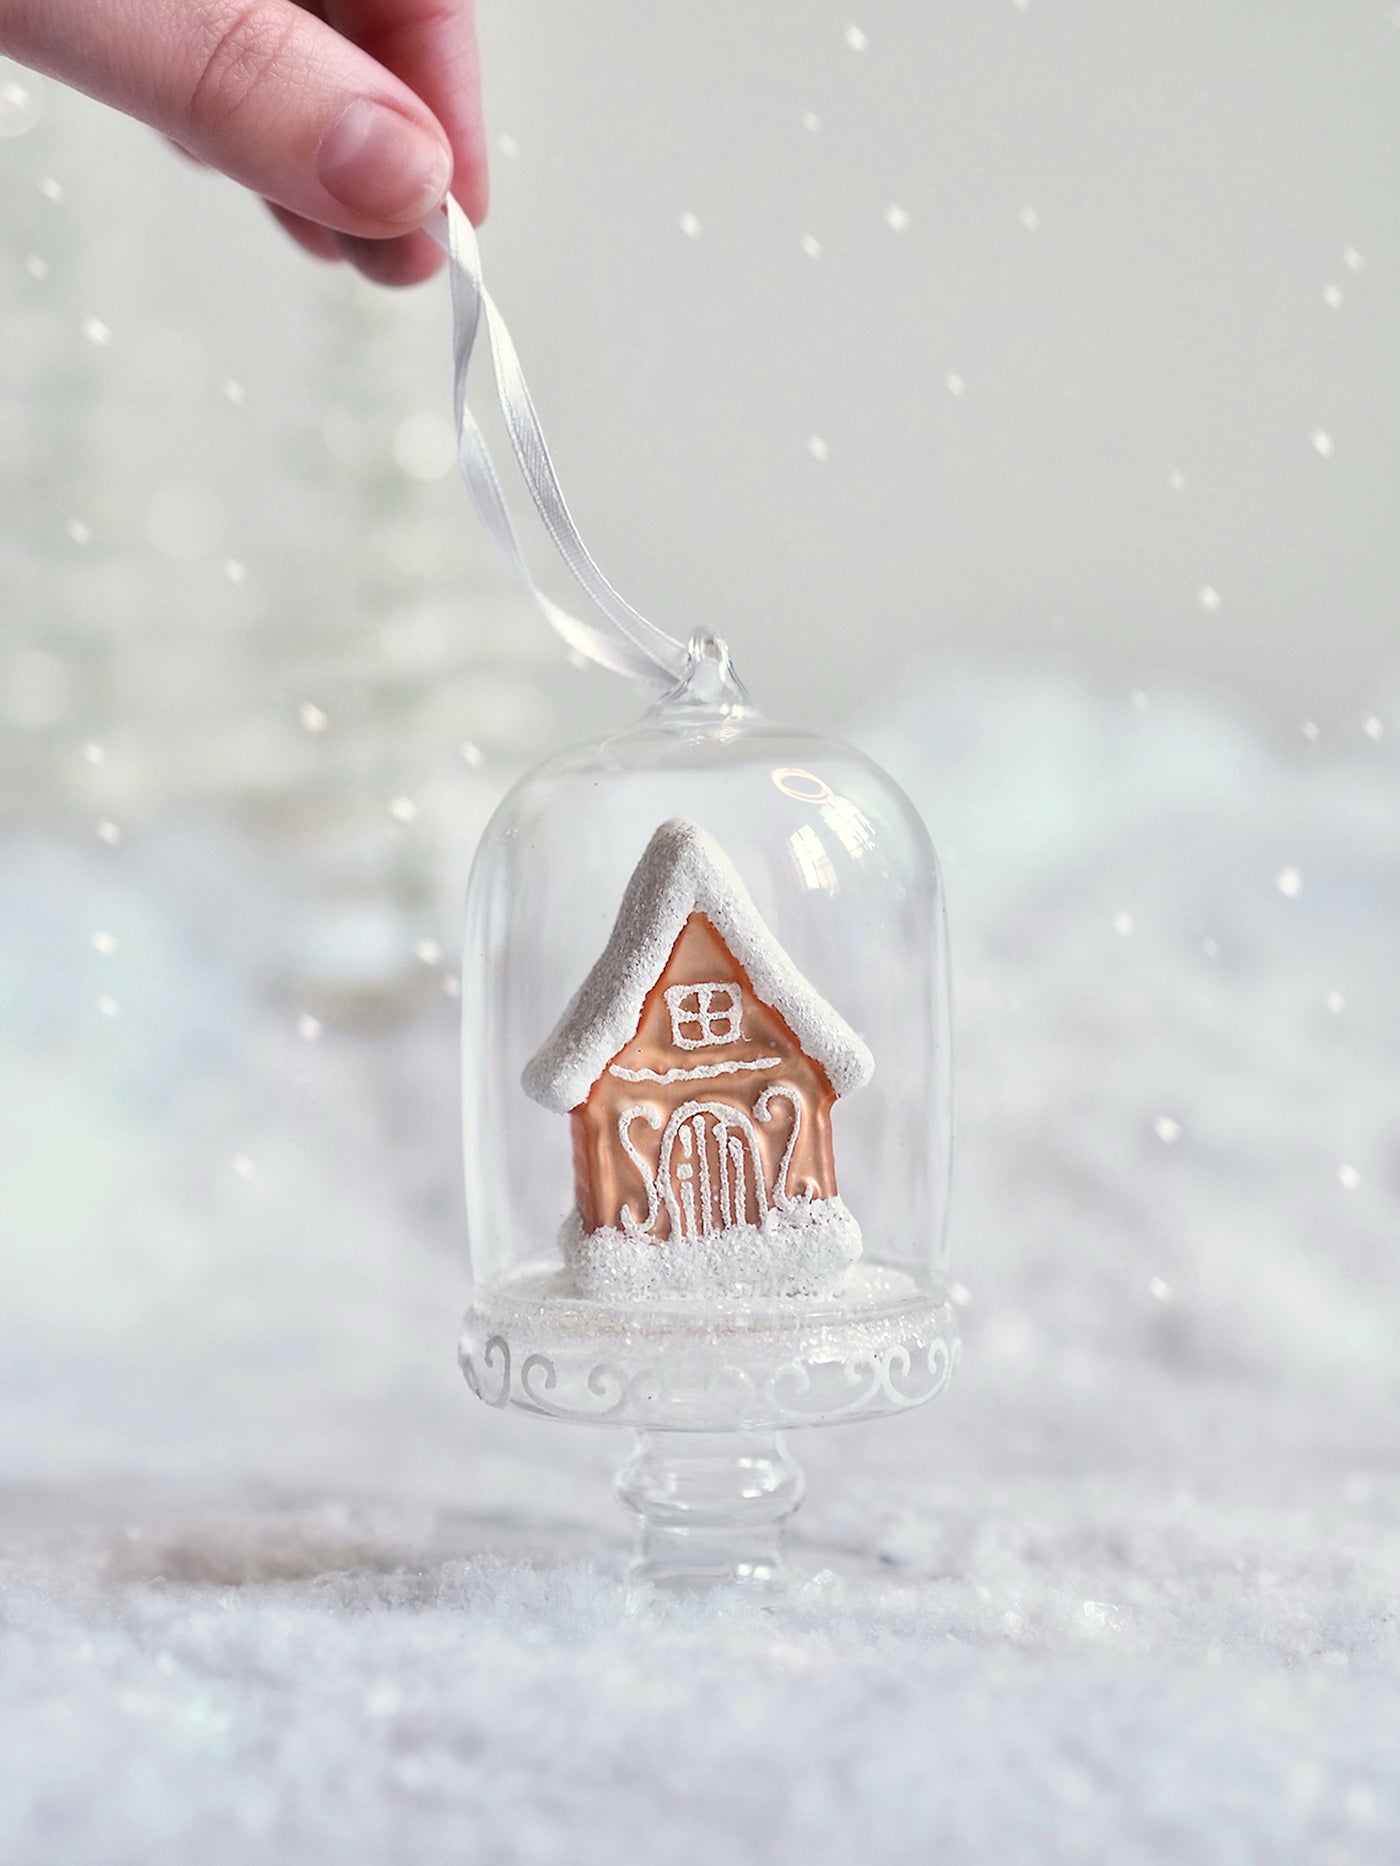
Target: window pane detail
point(702, 1015)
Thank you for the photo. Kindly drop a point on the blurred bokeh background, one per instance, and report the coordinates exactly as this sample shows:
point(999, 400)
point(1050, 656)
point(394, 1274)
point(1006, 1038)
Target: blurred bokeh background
point(1035, 335)
point(1015, 386)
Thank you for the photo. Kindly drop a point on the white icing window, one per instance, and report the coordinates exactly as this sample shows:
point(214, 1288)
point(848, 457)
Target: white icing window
point(704, 1014)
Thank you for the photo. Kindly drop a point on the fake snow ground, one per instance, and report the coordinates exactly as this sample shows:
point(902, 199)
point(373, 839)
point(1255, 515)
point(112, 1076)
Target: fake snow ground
point(276, 1589)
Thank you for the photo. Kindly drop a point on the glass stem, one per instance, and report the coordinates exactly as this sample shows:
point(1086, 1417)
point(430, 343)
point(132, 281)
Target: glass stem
point(711, 1507)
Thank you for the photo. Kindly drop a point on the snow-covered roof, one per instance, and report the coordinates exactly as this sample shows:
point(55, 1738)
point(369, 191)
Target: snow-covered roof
point(683, 871)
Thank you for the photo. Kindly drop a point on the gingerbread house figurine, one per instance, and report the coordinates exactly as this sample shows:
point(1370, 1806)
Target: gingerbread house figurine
point(698, 1068)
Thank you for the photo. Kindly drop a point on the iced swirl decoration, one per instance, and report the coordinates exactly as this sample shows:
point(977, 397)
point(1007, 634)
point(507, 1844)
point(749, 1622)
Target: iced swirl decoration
point(798, 1390)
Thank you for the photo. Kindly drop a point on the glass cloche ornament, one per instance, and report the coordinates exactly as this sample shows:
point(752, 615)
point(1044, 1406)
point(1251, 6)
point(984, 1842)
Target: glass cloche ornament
point(706, 1109)
point(705, 1065)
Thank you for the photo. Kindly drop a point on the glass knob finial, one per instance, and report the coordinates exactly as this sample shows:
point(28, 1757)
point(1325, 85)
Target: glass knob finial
point(709, 684)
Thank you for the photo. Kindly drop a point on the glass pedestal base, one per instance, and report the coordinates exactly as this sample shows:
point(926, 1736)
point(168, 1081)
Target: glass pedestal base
point(880, 1347)
point(712, 1509)
point(710, 1393)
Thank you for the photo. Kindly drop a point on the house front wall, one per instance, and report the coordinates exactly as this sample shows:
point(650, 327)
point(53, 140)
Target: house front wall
point(737, 1066)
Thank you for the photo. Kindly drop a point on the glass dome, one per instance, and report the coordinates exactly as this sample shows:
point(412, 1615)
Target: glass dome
point(706, 1096)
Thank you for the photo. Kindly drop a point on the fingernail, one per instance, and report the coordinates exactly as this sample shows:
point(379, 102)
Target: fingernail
point(381, 165)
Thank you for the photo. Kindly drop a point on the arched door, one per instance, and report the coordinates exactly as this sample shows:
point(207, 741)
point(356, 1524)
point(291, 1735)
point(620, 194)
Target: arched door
point(710, 1170)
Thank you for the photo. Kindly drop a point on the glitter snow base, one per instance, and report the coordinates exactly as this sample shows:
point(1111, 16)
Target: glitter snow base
point(804, 1252)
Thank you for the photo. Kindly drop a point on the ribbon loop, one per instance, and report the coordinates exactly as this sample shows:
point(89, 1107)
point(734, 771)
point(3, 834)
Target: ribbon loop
point(633, 646)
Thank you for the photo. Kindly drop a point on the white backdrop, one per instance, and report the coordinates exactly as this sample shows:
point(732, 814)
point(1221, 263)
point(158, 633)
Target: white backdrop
point(1122, 224)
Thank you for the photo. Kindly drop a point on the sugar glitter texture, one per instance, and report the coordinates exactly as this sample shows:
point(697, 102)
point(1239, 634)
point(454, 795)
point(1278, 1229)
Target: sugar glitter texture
point(804, 1252)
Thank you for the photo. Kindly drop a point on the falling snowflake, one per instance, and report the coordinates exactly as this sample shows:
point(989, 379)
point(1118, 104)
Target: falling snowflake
point(1167, 1130)
point(104, 942)
point(452, 985)
point(1208, 597)
point(810, 245)
point(960, 1294)
point(1160, 1289)
point(1138, 700)
point(109, 1007)
point(51, 190)
point(94, 753)
point(234, 392)
point(404, 810)
point(1289, 882)
point(1311, 730)
point(96, 331)
point(689, 226)
point(856, 39)
point(1030, 220)
point(309, 1028)
point(1176, 479)
point(79, 531)
point(1323, 443)
point(20, 107)
point(109, 832)
point(811, 122)
point(243, 1166)
point(954, 383)
point(1373, 728)
point(234, 571)
point(1123, 924)
point(471, 752)
point(1348, 1177)
point(1351, 259)
point(1332, 296)
point(897, 219)
point(311, 716)
point(1335, 1002)
point(1211, 948)
point(428, 951)
point(36, 267)
point(817, 447)
point(508, 147)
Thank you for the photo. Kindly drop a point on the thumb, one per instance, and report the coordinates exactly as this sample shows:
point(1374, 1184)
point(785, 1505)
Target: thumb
point(257, 88)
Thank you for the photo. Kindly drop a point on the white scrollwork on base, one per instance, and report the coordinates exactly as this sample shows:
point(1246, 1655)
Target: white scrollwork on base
point(750, 1385)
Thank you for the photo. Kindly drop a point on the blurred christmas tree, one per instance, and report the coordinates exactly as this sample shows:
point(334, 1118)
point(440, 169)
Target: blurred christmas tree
point(241, 579)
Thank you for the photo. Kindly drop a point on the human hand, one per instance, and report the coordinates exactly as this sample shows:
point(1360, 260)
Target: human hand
point(351, 117)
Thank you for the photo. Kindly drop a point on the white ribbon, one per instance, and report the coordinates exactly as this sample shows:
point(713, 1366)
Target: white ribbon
point(637, 647)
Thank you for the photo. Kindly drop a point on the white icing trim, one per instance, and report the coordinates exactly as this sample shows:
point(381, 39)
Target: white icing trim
point(763, 1111)
point(683, 871)
point(652, 1117)
point(700, 1073)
